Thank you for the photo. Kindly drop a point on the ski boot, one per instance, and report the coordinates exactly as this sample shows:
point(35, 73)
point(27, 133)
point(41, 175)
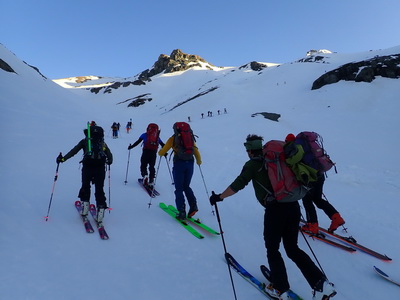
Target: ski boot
point(100, 216)
point(310, 228)
point(85, 209)
point(324, 290)
point(337, 221)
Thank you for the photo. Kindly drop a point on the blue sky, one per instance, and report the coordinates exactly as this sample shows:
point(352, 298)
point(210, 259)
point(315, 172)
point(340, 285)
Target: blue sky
point(122, 38)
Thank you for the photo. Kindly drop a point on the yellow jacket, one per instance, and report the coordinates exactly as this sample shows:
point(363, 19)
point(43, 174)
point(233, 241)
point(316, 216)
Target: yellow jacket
point(170, 144)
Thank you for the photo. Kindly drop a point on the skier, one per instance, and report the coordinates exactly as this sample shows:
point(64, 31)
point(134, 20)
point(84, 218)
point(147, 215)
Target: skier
point(314, 196)
point(184, 155)
point(93, 168)
point(281, 222)
point(129, 126)
point(114, 128)
point(151, 141)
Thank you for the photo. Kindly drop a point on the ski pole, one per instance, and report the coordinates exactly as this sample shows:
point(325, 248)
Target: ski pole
point(52, 190)
point(127, 167)
point(155, 180)
point(109, 189)
point(312, 251)
point(224, 245)
point(205, 186)
point(169, 169)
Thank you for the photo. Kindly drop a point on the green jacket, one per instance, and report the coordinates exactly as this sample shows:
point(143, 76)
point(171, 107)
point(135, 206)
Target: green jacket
point(254, 170)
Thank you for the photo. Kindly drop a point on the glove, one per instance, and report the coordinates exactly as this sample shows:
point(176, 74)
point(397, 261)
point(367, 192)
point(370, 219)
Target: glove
point(60, 159)
point(198, 162)
point(166, 154)
point(109, 162)
point(215, 198)
point(130, 147)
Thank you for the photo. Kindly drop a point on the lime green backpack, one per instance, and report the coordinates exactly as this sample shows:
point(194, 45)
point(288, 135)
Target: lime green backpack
point(304, 173)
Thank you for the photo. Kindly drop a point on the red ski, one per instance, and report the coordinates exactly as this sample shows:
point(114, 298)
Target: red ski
point(100, 227)
point(350, 241)
point(86, 222)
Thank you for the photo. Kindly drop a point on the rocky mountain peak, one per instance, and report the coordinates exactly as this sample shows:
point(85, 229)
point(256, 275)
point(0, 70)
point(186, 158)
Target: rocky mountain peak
point(177, 61)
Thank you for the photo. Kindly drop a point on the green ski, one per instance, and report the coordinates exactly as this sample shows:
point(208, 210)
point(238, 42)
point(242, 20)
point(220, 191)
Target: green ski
point(193, 231)
point(196, 221)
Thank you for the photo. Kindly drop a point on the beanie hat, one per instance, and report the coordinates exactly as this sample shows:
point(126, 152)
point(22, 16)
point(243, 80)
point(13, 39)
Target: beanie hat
point(290, 138)
point(253, 145)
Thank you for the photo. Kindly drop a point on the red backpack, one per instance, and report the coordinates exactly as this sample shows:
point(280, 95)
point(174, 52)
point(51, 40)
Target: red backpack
point(183, 141)
point(285, 186)
point(152, 139)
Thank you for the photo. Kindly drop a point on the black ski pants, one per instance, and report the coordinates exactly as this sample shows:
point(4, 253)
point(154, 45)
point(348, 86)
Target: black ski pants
point(148, 159)
point(95, 174)
point(314, 196)
point(281, 223)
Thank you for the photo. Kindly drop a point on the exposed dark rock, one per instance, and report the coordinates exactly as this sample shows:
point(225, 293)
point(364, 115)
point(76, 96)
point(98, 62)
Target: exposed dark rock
point(138, 100)
point(37, 70)
point(177, 61)
point(362, 71)
point(255, 66)
point(116, 85)
point(313, 58)
point(270, 116)
point(6, 67)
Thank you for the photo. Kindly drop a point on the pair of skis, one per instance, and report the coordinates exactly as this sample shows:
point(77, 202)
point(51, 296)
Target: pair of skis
point(173, 212)
point(150, 190)
point(86, 222)
point(260, 286)
point(346, 243)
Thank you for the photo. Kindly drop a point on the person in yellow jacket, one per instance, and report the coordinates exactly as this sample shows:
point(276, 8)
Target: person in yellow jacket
point(185, 152)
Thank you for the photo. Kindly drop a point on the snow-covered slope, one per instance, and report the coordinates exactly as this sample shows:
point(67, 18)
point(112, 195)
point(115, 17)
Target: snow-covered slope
point(148, 255)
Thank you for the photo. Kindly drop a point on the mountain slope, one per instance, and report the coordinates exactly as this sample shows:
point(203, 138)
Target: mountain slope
point(148, 255)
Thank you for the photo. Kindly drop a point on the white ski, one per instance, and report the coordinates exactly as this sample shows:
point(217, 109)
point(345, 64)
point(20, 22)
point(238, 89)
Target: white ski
point(386, 276)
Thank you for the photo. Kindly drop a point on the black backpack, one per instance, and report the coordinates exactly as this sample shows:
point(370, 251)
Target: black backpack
point(95, 145)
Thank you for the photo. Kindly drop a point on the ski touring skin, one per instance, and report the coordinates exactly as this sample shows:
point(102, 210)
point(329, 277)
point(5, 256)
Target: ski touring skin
point(350, 241)
point(151, 191)
point(85, 220)
point(267, 274)
point(185, 225)
point(195, 221)
point(100, 227)
point(386, 276)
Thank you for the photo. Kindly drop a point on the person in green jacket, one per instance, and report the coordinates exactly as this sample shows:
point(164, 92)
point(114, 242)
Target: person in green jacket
point(281, 223)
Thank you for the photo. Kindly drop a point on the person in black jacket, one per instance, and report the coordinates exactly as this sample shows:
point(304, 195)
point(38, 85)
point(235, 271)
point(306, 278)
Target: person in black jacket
point(96, 155)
